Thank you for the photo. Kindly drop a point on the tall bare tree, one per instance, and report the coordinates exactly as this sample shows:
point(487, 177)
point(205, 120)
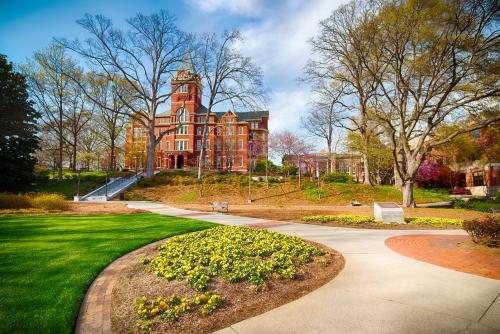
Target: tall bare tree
point(50, 86)
point(146, 57)
point(442, 65)
point(108, 96)
point(338, 58)
point(321, 120)
point(228, 77)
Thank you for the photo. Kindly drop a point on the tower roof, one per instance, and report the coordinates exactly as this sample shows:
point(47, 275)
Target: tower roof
point(187, 63)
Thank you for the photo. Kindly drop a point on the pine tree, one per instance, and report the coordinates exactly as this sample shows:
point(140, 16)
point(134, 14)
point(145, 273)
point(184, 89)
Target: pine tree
point(18, 128)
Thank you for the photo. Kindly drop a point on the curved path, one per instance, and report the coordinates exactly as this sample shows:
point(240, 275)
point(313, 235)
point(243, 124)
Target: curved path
point(379, 291)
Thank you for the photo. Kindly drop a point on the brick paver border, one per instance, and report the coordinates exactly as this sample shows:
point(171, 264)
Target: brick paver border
point(94, 316)
point(442, 250)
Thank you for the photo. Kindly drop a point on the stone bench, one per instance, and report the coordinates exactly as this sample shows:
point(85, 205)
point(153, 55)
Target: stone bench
point(220, 206)
point(388, 212)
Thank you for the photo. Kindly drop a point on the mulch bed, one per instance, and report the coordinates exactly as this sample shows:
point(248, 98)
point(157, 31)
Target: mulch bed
point(241, 300)
point(455, 252)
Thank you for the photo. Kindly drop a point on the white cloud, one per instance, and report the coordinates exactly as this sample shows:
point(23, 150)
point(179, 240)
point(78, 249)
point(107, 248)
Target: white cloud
point(285, 108)
point(242, 7)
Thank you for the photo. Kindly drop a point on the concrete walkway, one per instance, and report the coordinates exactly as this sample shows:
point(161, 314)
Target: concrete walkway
point(379, 291)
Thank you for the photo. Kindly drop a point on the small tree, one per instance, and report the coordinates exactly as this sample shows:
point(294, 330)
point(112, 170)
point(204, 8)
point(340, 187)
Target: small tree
point(286, 144)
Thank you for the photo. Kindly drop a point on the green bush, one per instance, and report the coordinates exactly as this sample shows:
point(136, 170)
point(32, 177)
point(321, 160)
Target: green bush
point(313, 192)
point(486, 231)
point(337, 178)
point(479, 204)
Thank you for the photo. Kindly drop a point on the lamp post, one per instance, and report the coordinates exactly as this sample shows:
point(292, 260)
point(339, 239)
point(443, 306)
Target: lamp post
point(250, 150)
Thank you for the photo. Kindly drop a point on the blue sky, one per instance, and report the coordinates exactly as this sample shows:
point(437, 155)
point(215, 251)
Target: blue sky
point(276, 34)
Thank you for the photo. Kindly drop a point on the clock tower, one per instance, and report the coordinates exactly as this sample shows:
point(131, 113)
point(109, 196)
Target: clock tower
point(186, 87)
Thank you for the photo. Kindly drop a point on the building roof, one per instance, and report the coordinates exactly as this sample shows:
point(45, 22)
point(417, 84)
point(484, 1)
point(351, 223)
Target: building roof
point(242, 116)
point(166, 113)
point(187, 62)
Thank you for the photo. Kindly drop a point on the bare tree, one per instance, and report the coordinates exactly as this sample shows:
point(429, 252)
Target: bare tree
point(321, 120)
point(442, 65)
point(340, 48)
point(107, 96)
point(228, 76)
point(146, 57)
point(50, 87)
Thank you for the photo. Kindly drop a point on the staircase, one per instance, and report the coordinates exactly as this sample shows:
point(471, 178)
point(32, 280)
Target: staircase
point(110, 190)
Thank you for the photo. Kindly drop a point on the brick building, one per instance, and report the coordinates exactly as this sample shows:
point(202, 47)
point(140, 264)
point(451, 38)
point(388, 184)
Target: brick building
point(317, 163)
point(234, 138)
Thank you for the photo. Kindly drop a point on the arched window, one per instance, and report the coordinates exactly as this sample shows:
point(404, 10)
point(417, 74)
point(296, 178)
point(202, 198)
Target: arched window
point(182, 115)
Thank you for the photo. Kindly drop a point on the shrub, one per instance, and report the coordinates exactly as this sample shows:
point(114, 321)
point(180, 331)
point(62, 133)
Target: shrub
point(352, 219)
point(49, 202)
point(433, 221)
point(337, 178)
point(485, 231)
point(479, 204)
point(13, 201)
point(38, 201)
point(346, 219)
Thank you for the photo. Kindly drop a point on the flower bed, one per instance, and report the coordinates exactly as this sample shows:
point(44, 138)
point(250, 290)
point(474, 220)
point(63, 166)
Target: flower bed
point(353, 220)
point(200, 282)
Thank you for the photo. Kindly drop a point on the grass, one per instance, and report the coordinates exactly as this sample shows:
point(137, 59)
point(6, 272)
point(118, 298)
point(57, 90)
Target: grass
point(48, 262)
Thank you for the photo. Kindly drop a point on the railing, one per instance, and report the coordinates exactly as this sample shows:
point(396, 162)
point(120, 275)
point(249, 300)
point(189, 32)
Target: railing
point(114, 188)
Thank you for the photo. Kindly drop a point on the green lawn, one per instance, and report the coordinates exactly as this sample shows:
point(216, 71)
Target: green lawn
point(48, 262)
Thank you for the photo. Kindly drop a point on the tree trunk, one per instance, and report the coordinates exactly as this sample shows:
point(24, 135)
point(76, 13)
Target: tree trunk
point(408, 200)
point(366, 170)
point(112, 156)
point(150, 167)
point(74, 157)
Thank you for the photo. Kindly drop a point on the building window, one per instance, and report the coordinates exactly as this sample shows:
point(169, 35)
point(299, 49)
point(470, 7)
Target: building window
point(181, 145)
point(476, 134)
point(159, 145)
point(218, 132)
point(240, 130)
point(254, 125)
point(254, 136)
point(183, 89)
point(182, 130)
point(198, 144)
point(167, 146)
point(201, 119)
point(158, 162)
point(241, 160)
point(218, 146)
point(477, 178)
point(182, 115)
point(163, 120)
point(198, 130)
point(229, 131)
point(139, 132)
point(218, 161)
point(240, 144)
